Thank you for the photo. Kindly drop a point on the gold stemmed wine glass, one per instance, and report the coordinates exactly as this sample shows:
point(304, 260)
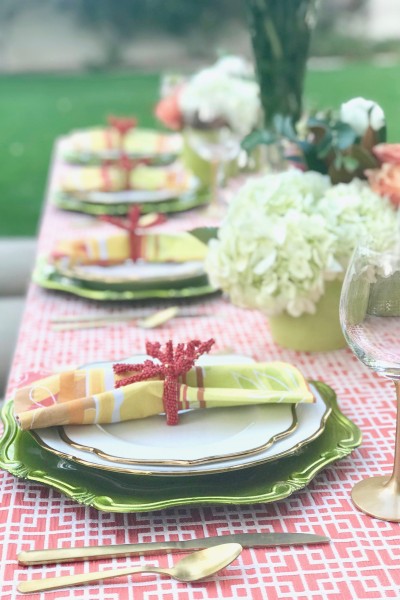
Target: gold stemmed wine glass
point(370, 319)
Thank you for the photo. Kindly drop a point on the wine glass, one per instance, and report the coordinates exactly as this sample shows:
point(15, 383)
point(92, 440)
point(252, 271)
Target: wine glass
point(370, 319)
point(218, 147)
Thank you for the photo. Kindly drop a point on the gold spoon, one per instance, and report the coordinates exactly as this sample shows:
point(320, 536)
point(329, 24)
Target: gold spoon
point(193, 567)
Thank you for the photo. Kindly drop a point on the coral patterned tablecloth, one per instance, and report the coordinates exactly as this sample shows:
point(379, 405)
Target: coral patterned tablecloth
point(361, 562)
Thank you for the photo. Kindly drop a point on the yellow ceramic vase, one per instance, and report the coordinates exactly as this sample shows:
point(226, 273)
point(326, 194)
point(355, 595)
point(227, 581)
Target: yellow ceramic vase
point(320, 332)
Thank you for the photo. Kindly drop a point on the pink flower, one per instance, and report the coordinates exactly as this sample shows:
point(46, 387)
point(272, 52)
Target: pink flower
point(386, 181)
point(168, 110)
point(388, 153)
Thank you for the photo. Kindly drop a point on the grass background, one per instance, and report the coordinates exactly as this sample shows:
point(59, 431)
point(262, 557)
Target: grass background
point(36, 109)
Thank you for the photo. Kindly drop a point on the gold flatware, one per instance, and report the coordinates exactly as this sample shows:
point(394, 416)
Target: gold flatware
point(247, 540)
point(193, 567)
point(150, 322)
point(158, 318)
point(144, 320)
point(123, 316)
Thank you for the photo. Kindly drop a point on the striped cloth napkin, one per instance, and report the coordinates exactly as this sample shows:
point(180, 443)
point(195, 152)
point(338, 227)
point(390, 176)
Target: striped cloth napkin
point(136, 141)
point(87, 396)
point(113, 178)
point(116, 248)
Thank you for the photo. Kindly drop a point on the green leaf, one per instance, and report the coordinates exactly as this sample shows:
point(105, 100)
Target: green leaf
point(283, 125)
point(204, 234)
point(365, 158)
point(344, 134)
point(320, 123)
point(350, 163)
point(258, 137)
point(382, 135)
point(324, 146)
point(338, 162)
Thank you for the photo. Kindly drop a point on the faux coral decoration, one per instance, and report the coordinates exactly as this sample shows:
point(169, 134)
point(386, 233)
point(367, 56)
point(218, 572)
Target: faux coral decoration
point(122, 124)
point(132, 224)
point(174, 362)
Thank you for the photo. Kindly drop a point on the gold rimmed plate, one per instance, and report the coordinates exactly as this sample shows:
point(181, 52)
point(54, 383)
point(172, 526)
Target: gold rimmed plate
point(124, 493)
point(205, 442)
point(47, 276)
point(131, 272)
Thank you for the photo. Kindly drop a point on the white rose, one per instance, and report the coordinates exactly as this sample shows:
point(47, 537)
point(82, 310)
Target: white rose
point(360, 113)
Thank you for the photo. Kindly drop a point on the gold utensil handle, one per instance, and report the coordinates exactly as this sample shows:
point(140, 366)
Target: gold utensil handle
point(59, 555)
point(54, 583)
point(247, 540)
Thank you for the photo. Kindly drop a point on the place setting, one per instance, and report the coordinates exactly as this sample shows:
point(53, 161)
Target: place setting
point(113, 187)
point(121, 428)
point(120, 137)
point(132, 259)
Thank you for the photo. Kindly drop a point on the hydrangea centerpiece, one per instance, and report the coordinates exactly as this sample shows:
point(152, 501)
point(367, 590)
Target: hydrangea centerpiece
point(287, 234)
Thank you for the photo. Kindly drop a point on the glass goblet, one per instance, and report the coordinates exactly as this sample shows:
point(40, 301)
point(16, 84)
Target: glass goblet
point(218, 147)
point(370, 319)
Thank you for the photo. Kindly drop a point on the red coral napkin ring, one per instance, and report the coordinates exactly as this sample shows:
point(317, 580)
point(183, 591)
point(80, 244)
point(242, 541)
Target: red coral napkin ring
point(131, 224)
point(122, 124)
point(174, 362)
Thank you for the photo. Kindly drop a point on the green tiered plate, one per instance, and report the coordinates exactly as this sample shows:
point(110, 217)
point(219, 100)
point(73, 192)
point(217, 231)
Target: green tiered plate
point(118, 492)
point(180, 204)
point(46, 275)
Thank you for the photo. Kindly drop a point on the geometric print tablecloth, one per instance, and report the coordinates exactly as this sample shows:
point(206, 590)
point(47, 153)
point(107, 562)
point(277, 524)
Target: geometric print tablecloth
point(362, 561)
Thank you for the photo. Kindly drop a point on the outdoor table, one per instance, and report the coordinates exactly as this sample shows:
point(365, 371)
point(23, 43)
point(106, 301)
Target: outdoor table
point(362, 560)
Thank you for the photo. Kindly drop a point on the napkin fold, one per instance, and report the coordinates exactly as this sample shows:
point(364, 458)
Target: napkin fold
point(114, 178)
point(151, 142)
point(116, 248)
point(136, 141)
point(88, 396)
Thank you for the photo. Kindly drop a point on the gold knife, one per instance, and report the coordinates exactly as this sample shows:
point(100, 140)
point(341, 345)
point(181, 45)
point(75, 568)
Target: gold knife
point(247, 540)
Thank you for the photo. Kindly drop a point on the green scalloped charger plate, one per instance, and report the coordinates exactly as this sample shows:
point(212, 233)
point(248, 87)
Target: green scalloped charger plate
point(176, 205)
point(118, 492)
point(46, 276)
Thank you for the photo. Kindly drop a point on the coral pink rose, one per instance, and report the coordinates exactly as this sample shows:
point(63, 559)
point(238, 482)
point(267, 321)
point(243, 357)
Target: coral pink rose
point(388, 153)
point(168, 111)
point(386, 181)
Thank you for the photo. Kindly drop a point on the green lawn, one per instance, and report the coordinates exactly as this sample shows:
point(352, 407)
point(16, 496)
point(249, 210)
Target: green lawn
point(36, 109)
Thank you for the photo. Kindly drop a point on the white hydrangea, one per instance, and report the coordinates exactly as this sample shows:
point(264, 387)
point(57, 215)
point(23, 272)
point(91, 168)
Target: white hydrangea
point(272, 263)
point(355, 214)
point(237, 66)
point(286, 234)
point(212, 94)
point(278, 192)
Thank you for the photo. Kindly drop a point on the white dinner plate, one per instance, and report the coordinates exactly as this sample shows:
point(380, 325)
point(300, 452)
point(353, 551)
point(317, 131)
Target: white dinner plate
point(204, 442)
point(130, 271)
point(137, 196)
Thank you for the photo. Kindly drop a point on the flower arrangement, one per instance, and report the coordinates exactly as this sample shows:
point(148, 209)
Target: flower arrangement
point(340, 146)
point(225, 94)
point(287, 234)
point(386, 180)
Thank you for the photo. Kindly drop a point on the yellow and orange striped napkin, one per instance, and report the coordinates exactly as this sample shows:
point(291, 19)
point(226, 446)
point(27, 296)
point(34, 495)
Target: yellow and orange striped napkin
point(87, 396)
